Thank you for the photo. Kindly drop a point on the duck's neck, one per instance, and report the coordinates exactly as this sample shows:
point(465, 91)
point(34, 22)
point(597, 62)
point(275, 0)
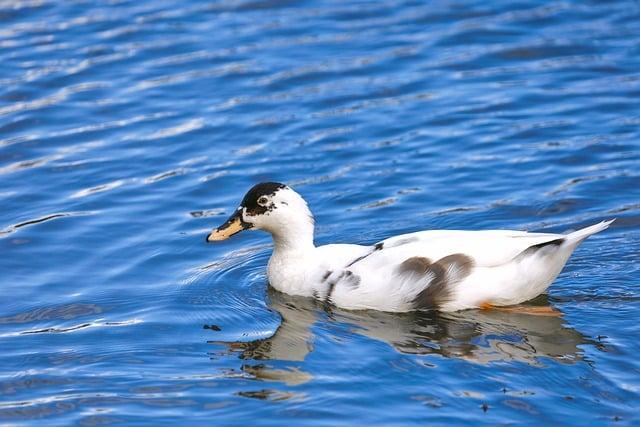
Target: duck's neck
point(292, 252)
point(294, 240)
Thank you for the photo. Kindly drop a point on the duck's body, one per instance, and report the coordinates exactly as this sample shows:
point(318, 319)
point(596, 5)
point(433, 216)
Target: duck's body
point(444, 269)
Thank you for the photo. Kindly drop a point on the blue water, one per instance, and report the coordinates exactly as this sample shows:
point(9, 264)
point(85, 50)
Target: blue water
point(129, 129)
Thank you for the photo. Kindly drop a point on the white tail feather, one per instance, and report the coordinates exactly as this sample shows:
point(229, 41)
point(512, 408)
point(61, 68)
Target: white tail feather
point(580, 235)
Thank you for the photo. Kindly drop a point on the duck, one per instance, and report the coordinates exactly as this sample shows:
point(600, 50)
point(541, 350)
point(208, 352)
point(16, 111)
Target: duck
point(445, 270)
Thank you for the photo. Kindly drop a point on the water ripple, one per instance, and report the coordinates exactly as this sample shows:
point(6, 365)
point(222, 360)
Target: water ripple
point(15, 227)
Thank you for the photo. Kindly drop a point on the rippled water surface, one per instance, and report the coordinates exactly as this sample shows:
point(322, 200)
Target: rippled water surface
point(128, 129)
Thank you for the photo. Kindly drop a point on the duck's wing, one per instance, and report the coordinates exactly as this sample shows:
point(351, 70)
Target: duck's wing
point(487, 248)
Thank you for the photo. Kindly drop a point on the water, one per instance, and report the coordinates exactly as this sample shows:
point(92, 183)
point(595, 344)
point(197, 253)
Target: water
point(129, 129)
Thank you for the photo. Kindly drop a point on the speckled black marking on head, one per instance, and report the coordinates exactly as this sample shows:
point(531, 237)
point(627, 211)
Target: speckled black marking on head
point(441, 274)
point(326, 275)
point(250, 200)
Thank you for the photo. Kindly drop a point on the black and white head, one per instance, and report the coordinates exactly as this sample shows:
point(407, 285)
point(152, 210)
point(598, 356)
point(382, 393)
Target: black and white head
point(268, 206)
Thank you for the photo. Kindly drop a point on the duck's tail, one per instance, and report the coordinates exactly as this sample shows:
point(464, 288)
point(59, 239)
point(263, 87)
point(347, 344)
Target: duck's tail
point(579, 235)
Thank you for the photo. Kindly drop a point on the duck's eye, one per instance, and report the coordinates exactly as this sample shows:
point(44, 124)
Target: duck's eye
point(262, 201)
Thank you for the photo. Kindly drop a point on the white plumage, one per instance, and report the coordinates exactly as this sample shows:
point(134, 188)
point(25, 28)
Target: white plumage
point(444, 269)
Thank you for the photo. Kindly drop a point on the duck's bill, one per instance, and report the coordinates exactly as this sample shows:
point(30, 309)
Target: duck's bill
point(232, 226)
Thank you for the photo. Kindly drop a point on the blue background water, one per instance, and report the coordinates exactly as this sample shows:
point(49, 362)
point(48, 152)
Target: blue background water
point(128, 129)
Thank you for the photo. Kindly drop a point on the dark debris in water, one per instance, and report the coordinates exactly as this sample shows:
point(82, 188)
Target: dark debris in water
point(430, 401)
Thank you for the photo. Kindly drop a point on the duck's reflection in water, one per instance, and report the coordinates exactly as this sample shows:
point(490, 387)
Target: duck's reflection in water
point(479, 336)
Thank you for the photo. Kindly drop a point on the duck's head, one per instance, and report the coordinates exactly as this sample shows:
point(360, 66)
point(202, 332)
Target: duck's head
point(268, 206)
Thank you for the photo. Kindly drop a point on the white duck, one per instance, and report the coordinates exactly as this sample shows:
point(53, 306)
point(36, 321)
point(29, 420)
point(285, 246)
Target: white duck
point(444, 269)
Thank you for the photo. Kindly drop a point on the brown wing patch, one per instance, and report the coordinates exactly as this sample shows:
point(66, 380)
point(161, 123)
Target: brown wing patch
point(437, 290)
point(416, 264)
point(440, 276)
point(458, 265)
